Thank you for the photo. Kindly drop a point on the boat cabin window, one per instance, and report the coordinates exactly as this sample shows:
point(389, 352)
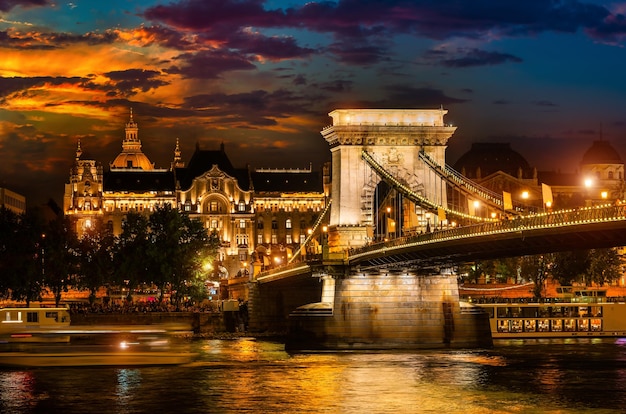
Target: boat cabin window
point(32, 317)
point(52, 315)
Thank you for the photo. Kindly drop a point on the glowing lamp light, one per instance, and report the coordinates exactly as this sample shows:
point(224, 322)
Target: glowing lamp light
point(604, 194)
point(588, 182)
point(525, 195)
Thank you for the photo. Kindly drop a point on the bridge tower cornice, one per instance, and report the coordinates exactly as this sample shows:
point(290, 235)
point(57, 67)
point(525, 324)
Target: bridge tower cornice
point(378, 135)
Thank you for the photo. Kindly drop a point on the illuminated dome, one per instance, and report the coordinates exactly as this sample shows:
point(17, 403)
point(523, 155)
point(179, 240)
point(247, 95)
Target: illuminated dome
point(132, 160)
point(601, 152)
point(484, 159)
point(131, 156)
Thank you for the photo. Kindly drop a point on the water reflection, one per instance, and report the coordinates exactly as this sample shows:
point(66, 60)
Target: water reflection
point(246, 375)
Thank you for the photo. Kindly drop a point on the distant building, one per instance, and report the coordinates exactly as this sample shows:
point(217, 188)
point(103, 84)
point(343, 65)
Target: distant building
point(496, 166)
point(12, 201)
point(261, 215)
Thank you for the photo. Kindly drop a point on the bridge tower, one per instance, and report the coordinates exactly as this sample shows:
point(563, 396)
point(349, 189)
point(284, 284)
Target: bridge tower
point(394, 138)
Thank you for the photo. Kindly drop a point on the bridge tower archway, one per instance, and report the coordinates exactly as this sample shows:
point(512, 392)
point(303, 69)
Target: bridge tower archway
point(394, 138)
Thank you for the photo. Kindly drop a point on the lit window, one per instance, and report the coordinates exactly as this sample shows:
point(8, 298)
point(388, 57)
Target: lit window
point(213, 207)
point(242, 224)
point(288, 224)
point(242, 206)
point(288, 241)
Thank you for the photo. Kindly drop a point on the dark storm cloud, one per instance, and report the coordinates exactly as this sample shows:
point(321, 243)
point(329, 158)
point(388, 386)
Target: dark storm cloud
point(11, 85)
point(255, 108)
point(358, 54)
point(48, 41)
point(476, 57)
point(6, 5)
point(167, 37)
point(273, 48)
point(201, 15)
point(209, 64)
point(130, 81)
point(336, 86)
point(380, 18)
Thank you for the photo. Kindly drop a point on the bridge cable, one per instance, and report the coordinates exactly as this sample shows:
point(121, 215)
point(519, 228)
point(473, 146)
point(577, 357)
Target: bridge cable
point(313, 230)
point(410, 194)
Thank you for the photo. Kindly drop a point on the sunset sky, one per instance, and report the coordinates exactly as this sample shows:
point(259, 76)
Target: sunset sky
point(261, 76)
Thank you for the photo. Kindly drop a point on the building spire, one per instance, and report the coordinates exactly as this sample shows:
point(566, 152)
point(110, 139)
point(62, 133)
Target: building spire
point(79, 151)
point(177, 163)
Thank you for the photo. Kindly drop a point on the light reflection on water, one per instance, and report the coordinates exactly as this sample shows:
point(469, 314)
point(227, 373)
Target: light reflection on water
point(245, 375)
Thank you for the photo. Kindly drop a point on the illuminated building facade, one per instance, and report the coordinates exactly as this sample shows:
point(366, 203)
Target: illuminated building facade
point(12, 201)
point(261, 215)
point(496, 166)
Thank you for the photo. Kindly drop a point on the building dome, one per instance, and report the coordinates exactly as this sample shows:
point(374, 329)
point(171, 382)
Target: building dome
point(131, 156)
point(484, 159)
point(601, 152)
point(136, 160)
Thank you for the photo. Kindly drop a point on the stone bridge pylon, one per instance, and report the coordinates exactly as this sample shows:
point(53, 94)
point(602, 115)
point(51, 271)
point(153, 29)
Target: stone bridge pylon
point(394, 138)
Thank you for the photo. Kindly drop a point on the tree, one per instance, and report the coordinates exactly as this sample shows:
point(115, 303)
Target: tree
point(131, 253)
point(27, 260)
point(179, 248)
point(605, 266)
point(570, 267)
point(535, 269)
point(95, 268)
point(59, 256)
point(9, 229)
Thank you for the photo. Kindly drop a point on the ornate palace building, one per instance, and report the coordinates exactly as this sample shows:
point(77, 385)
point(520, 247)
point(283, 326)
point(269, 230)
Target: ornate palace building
point(261, 215)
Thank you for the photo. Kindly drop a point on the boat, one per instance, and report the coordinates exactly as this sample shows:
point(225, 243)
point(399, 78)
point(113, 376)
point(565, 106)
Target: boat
point(43, 337)
point(574, 313)
point(33, 324)
point(99, 347)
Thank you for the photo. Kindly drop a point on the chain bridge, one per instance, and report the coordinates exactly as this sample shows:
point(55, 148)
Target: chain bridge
point(399, 222)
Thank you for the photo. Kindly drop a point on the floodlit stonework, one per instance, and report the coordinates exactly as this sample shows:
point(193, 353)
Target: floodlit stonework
point(394, 138)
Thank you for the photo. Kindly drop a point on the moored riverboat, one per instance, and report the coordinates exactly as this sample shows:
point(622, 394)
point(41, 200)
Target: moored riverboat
point(31, 324)
point(576, 313)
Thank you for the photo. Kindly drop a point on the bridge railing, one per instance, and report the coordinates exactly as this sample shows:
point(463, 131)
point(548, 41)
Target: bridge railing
point(520, 223)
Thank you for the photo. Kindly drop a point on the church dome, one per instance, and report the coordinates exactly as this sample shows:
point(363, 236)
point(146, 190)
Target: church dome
point(136, 160)
point(131, 156)
point(484, 159)
point(601, 152)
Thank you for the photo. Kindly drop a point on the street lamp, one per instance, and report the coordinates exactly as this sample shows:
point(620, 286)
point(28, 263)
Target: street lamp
point(476, 206)
point(589, 182)
point(428, 222)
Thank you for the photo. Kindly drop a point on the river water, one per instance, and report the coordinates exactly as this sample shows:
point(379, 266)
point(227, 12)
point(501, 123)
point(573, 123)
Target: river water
point(256, 376)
